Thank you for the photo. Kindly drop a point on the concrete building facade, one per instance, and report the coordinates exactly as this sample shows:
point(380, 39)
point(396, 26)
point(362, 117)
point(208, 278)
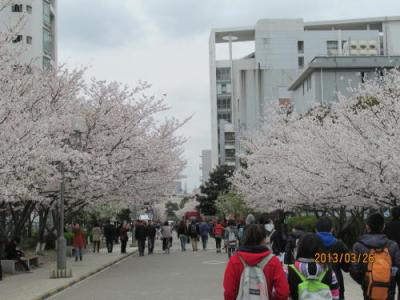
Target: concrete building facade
point(36, 36)
point(241, 89)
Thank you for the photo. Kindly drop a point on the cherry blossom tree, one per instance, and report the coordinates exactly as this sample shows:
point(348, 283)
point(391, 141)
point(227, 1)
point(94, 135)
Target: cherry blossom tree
point(105, 140)
point(342, 155)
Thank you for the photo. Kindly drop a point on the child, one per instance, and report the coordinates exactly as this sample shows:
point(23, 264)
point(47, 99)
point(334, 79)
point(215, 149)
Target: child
point(78, 242)
point(306, 269)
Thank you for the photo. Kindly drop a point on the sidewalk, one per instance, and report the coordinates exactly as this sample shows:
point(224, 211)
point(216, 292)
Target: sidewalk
point(38, 285)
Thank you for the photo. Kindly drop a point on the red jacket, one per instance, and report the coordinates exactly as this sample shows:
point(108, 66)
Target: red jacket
point(219, 230)
point(79, 239)
point(274, 274)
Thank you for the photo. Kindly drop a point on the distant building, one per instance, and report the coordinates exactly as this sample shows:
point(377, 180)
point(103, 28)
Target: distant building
point(178, 187)
point(38, 37)
point(241, 89)
point(205, 166)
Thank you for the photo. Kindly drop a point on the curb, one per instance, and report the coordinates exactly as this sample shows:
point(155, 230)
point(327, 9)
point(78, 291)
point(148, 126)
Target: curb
point(79, 279)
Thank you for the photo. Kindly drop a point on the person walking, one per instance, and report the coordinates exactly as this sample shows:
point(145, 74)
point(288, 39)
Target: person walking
point(194, 232)
point(96, 237)
point(151, 236)
point(109, 231)
point(123, 237)
point(306, 269)
point(204, 230)
point(218, 234)
point(291, 244)
point(333, 246)
point(251, 257)
point(166, 236)
point(182, 234)
point(380, 259)
point(140, 236)
point(78, 242)
point(392, 231)
point(278, 241)
point(231, 237)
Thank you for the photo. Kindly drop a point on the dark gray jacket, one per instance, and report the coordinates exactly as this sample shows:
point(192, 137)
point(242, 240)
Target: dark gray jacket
point(372, 241)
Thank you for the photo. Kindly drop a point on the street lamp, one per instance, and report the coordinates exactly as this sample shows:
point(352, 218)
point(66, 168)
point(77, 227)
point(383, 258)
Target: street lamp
point(78, 127)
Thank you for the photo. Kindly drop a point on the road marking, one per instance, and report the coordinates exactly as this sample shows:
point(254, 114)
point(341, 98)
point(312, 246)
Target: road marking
point(213, 262)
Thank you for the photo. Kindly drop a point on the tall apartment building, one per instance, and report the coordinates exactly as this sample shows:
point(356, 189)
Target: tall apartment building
point(37, 37)
point(241, 89)
point(205, 166)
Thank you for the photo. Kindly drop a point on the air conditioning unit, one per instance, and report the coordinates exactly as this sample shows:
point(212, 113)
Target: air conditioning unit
point(354, 48)
point(363, 47)
point(372, 47)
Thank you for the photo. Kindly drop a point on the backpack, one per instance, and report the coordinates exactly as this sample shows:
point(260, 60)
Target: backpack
point(312, 288)
point(378, 275)
point(193, 229)
point(232, 238)
point(253, 284)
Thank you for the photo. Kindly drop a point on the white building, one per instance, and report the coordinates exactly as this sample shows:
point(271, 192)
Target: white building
point(327, 77)
point(205, 166)
point(37, 36)
point(240, 89)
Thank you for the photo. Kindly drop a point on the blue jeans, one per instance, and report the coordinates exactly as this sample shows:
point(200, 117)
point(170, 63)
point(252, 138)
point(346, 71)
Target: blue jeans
point(183, 239)
point(204, 240)
point(78, 253)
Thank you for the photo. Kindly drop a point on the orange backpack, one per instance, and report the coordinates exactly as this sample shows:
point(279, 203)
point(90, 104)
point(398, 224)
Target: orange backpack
point(379, 273)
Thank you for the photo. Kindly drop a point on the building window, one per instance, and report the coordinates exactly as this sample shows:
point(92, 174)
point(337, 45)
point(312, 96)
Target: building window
point(29, 40)
point(223, 74)
point(47, 42)
point(230, 155)
point(224, 103)
point(224, 88)
point(46, 63)
point(29, 9)
point(229, 138)
point(17, 39)
point(46, 13)
point(332, 48)
point(300, 61)
point(224, 116)
point(300, 47)
point(16, 8)
point(363, 77)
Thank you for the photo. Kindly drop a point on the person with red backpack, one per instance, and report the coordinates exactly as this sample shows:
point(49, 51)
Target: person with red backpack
point(254, 272)
point(218, 235)
point(378, 260)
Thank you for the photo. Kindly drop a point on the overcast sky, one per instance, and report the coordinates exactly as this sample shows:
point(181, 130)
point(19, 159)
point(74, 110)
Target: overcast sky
point(165, 42)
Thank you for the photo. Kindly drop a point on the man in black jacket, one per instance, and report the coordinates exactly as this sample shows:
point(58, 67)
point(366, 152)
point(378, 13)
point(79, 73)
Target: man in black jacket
point(151, 236)
point(140, 236)
point(334, 246)
point(109, 234)
point(374, 239)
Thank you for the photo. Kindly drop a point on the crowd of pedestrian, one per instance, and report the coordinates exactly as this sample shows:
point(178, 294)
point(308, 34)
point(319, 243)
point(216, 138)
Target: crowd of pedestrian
point(273, 264)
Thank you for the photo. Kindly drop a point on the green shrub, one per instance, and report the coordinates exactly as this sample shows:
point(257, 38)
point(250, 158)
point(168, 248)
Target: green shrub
point(69, 236)
point(308, 222)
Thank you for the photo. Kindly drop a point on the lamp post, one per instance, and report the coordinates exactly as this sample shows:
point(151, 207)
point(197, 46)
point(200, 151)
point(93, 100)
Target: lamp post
point(62, 271)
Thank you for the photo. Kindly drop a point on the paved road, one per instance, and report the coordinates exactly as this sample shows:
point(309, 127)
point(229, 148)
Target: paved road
point(176, 276)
